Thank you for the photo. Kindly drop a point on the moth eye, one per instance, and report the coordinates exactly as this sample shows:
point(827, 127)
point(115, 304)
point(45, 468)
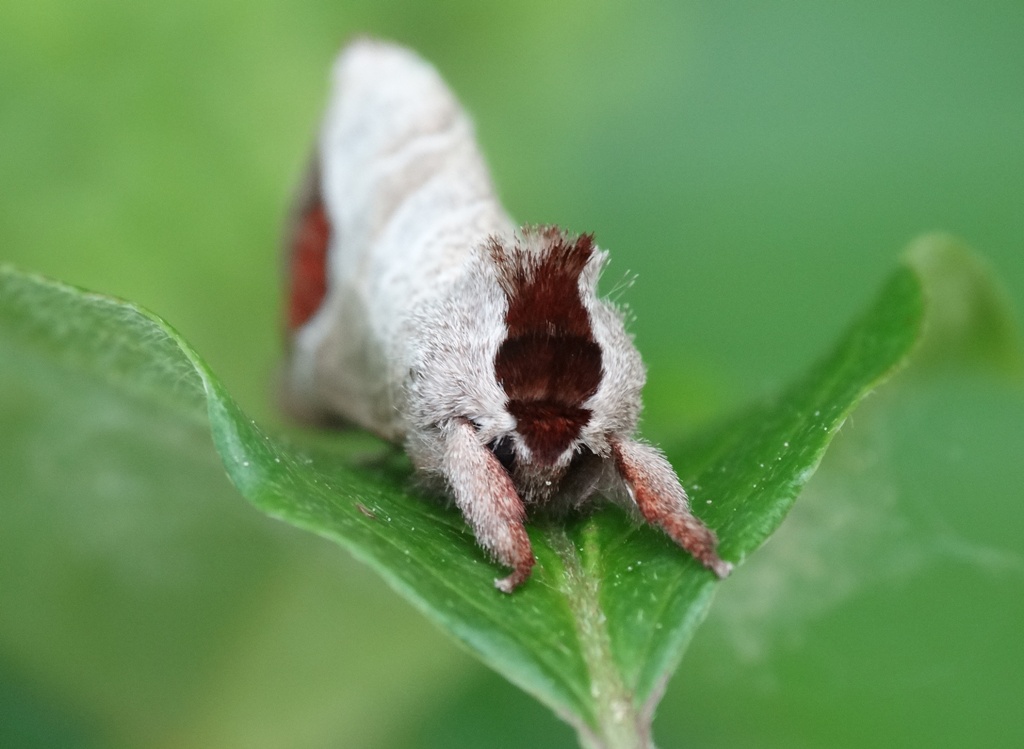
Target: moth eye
point(504, 451)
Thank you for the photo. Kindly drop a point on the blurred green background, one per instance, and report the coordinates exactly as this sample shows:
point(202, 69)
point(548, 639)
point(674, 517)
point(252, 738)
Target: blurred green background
point(758, 167)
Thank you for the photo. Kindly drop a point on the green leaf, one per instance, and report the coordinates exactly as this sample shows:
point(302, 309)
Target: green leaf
point(612, 605)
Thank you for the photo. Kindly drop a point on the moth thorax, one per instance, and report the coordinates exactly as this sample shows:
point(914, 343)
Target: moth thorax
point(549, 364)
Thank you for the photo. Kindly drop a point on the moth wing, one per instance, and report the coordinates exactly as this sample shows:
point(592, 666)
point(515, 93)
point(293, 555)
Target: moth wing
point(398, 197)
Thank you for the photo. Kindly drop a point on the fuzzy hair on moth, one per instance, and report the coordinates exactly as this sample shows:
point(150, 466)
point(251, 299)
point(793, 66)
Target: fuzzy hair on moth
point(418, 310)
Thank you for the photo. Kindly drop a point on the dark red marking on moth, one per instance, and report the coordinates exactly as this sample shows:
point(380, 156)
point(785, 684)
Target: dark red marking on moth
point(547, 426)
point(549, 364)
point(307, 260)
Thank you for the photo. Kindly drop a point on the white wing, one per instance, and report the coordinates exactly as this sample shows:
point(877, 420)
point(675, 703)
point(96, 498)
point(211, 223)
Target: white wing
point(408, 196)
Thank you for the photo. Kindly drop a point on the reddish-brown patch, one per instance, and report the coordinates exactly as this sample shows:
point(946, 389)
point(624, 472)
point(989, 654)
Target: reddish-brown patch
point(549, 363)
point(548, 427)
point(543, 288)
point(307, 266)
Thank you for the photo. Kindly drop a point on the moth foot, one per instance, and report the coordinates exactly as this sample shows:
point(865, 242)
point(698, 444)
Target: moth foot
point(517, 578)
point(718, 565)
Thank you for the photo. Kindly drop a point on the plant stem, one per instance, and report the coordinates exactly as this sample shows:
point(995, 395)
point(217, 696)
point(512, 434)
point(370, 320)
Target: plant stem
point(620, 723)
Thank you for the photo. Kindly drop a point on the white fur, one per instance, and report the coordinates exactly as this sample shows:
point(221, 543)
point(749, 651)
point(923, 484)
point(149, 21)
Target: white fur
point(408, 197)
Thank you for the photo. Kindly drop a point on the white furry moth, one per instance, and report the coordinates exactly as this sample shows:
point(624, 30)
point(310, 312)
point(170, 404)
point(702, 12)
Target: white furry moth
point(418, 311)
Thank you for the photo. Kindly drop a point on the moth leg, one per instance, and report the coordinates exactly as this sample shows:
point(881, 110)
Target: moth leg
point(654, 487)
point(485, 494)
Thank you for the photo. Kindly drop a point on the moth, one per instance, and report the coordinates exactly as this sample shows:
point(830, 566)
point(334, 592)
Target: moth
point(420, 311)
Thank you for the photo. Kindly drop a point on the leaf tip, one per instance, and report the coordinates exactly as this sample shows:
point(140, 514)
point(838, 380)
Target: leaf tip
point(969, 318)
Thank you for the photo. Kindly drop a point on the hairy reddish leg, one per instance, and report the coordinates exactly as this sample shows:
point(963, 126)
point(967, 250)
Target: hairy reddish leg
point(485, 494)
point(662, 501)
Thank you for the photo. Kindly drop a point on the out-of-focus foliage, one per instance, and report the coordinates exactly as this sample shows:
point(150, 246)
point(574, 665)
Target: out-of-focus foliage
point(759, 169)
